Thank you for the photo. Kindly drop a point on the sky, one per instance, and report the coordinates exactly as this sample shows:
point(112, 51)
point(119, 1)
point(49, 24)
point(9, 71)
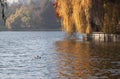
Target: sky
point(11, 1)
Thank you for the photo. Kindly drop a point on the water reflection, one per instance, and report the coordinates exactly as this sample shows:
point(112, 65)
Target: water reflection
point(78, 60)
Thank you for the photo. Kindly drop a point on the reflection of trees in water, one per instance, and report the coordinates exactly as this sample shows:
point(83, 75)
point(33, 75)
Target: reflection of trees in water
point(87, 60)
point(72, 60)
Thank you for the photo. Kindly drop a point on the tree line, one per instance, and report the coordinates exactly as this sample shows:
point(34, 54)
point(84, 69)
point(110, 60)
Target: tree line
point(35, 15)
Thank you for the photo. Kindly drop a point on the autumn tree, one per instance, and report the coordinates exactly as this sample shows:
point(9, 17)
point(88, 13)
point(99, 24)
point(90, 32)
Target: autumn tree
point(85, 16)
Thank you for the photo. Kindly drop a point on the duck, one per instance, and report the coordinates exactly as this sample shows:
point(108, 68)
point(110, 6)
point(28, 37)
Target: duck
point(37, 57)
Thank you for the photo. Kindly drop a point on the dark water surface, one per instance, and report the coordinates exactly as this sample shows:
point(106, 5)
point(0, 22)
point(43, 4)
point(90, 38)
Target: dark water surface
point(60, 59)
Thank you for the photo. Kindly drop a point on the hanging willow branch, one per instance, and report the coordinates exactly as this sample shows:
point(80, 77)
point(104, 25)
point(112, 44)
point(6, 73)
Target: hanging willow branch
point(4, 6)
point(86, 16)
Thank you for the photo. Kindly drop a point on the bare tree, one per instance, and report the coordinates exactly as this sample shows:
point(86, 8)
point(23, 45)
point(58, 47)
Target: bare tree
point(4, 6)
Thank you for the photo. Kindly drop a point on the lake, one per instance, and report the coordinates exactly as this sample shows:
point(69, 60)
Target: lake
point(47, 55)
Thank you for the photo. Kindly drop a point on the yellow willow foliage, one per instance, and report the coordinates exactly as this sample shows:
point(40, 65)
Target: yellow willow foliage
point(64, 11)
point(13, 17)
point(81, 15)
point(75, 15)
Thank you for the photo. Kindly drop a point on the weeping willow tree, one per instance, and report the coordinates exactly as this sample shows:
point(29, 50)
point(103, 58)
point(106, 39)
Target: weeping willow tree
point(85, 16)
point(74, 14)
point(3, 5)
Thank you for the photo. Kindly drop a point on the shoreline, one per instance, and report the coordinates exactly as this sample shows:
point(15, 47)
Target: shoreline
point(102, 37)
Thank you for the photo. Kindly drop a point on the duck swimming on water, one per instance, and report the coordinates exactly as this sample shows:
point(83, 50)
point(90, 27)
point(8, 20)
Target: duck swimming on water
point(37, 57)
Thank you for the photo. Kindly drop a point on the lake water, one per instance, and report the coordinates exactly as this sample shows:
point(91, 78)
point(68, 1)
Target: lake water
point(60, 59)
